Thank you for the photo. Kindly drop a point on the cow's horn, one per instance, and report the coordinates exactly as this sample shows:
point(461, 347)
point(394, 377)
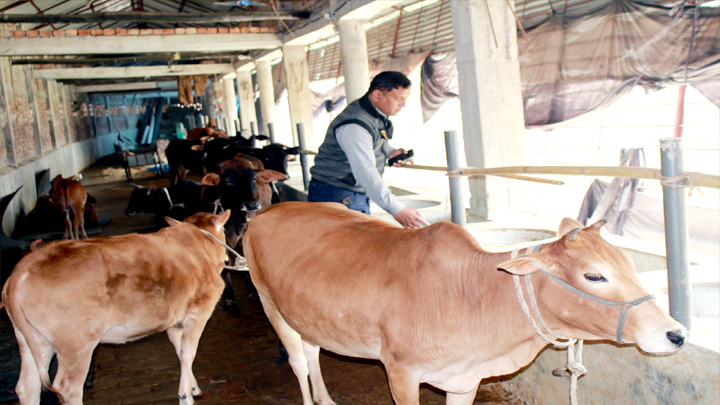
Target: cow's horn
point(599, 224)
point(572, 234)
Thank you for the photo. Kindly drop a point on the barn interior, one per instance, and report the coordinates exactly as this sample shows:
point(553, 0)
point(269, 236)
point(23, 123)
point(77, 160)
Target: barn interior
point(101, 87)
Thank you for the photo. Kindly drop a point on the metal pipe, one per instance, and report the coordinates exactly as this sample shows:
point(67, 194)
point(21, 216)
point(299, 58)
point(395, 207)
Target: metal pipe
point(676, 233)
point(253, 128)
point(457, 201)
point(271, 131)
point(303, 157)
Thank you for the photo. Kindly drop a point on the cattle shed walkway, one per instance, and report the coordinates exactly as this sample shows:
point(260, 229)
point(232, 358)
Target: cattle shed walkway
point(237, 357)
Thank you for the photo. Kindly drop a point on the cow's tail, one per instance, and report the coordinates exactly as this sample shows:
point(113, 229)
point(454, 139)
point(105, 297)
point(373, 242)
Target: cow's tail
point(29, 332)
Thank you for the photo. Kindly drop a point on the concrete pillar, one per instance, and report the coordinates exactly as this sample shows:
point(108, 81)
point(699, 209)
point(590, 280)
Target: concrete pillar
point(297, 78)
point(491, 99)
point(231, 110)
point(246, 96)
point(56, 120)
point(354, 58)
point(267, 95)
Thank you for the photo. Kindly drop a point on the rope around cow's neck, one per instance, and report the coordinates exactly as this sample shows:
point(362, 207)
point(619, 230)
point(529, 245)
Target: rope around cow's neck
point(167, 194)
point(240, 262)
point(574, 346)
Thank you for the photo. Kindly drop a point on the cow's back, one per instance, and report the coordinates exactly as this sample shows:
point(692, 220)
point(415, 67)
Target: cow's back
point(343, 266)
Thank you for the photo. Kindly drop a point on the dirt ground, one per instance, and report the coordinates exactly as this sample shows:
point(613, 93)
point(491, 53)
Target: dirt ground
point(237, 357)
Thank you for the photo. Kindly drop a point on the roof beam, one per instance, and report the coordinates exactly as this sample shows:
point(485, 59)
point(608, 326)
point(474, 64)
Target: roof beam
point(207, 18)
point(129, 59)
point(137, 44)
point(132, 71)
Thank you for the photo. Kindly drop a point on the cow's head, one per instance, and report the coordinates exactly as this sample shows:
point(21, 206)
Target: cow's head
point(211, 223)
point(142, 199)
point(603, 274)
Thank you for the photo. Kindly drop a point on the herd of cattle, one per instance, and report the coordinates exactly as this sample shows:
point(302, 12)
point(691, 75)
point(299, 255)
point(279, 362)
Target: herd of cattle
point(430, 304)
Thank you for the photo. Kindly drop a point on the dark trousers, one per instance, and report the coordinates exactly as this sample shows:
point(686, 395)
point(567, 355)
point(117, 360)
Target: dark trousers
point(321, 192)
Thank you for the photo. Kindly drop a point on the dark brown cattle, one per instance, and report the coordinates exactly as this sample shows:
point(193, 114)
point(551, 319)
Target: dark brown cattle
point(69, 195)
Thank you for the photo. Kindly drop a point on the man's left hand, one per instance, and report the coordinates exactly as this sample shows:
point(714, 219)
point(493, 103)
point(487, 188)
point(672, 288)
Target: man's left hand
point(410, 218)
point(400, 163)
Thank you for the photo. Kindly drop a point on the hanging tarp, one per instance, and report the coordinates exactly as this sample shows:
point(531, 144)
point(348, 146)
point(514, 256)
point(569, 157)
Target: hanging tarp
point(570, 66)
point(439, 82)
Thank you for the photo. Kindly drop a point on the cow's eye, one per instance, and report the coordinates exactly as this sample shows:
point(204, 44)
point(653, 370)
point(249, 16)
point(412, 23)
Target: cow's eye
point(595, 278)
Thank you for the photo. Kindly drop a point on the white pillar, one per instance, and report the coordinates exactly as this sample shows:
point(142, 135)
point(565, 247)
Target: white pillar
point(297, 78)
point(491, 98)
point(354, 59)
point(246, 97)
point(231, 110)
point(267, 95)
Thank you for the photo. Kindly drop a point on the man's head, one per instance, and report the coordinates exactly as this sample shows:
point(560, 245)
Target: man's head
point(388, 92)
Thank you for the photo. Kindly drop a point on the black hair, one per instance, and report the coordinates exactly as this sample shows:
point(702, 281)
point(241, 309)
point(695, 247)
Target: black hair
point(388, 81)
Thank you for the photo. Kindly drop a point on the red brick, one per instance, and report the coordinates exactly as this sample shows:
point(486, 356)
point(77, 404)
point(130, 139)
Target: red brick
point(274, 30)
point(212, 30)
point(235, 30)
point(121, 31)
point(84, 33)
point(202, 30)
point(58, 33)
point(264, 29)
point(254, 29)
point(180, 31)
point(45, 33)
point(168, 31)
point(133, 31)
point(18, 34)
point(157, 31)
point(96, 33)
point(109, 31)
point(191, 30)
point(244, 30)
point(223, 30)
point(145, 32)
point(31, 33)
point(71, 33)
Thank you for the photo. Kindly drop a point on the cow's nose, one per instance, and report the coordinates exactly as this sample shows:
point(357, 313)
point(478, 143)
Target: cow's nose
point(677, 337)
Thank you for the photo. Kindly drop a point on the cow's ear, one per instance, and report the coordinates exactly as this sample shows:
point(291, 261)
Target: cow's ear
point(525, 264)
point(597, 226)
point(210, 179)
point(171, 222)
point(220, 220)
point(567, 225)
point(292, 151)
point(269, 175)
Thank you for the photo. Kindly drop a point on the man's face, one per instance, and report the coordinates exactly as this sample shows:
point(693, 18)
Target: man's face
point(390, 102)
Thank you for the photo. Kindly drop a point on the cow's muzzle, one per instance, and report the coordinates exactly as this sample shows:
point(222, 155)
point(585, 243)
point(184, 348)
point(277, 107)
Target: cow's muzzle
point(251, 206)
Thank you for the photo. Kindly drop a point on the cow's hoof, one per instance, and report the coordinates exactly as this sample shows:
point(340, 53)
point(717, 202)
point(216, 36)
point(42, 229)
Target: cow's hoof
point(197, 392)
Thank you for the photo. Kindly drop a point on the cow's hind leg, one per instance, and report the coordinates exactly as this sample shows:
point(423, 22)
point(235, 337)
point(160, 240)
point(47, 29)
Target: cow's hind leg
point(319, 391)
point(29, 384)
point(68, 226)
point(293, 344)
point(73, 366)
point(193, 327)
point(80, 222)
point(175, 336)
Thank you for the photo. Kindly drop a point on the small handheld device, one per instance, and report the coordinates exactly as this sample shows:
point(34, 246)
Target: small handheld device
point(403, 156)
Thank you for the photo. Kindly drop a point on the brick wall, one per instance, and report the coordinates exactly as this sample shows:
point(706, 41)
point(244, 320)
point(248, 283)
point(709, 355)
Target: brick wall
point(21, 115)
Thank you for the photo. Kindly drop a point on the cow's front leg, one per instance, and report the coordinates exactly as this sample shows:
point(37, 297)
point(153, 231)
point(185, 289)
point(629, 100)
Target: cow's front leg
point(175, 336)
point(192, 330)
point(404, 384)
point(462, 399)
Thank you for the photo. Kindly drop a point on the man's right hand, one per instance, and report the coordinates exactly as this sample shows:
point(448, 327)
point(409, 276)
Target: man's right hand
point(410, 218)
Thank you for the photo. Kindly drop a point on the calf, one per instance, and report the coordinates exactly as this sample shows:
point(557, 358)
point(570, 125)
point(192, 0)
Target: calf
point(178, 201)
point(69, 195)
point(68, 296)
point(431, 304)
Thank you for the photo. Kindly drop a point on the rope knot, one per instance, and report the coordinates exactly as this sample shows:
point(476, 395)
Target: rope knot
point(576, 368)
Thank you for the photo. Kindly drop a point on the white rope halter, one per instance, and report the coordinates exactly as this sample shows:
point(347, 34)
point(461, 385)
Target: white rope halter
point(574, 346)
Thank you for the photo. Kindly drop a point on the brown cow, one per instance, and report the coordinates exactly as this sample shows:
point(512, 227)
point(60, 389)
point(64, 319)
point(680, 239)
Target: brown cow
point(206, 133)
point(69, 194)
point(430, 303)
point(68, 296)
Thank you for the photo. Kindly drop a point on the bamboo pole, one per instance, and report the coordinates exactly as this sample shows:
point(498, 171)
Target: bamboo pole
point(509, 176)
point(691, 179)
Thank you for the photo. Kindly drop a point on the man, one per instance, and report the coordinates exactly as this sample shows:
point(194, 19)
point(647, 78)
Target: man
point(350, 162)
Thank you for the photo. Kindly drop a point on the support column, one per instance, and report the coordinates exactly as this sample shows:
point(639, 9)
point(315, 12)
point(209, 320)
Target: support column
point(491, 98)
point(297, 78)
point(7, 136)
point(246, 96)
point(267, 95)
point(354, 59)
point(231, 110)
